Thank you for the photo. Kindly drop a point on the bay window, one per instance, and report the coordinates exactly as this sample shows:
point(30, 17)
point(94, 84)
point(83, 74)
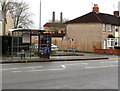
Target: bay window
point(110, 42)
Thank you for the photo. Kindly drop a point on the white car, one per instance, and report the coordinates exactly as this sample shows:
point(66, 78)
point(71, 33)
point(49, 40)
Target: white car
point(54, 47)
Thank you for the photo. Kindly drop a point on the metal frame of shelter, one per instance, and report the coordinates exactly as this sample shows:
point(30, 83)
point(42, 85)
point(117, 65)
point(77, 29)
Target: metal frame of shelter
point(44, 42)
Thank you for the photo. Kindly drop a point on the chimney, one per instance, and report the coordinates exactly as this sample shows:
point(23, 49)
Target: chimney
point(116, 13)
point(53, 17)
point(61, 17)
point(96, 8)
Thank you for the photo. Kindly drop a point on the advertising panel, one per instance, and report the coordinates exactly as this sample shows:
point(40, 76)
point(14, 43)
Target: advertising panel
point(44, 45)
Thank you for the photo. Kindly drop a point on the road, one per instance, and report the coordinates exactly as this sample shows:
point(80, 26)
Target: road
point(93, 74)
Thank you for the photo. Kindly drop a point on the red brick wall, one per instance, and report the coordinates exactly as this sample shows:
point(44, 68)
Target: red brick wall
point(109, 51)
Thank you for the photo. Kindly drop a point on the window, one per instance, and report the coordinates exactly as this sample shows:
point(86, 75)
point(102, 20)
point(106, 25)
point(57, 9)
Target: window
point(109, 28)
point(104, 27)
point(116, 42)
point(110, 42)
point(116, 29)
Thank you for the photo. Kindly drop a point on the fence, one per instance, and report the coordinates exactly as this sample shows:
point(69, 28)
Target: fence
point(82, 46)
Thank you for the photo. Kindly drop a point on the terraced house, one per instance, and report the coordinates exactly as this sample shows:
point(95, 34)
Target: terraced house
point(96, 27)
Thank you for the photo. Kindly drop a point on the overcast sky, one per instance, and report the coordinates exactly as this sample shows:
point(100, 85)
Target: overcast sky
point(71, 8)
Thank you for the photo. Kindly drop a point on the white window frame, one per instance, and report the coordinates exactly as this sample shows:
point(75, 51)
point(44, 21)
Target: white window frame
point(116, 41)
point(116, 27)
point(109, 28)
point(104, 44)
point(104, 27)
point(110, 42)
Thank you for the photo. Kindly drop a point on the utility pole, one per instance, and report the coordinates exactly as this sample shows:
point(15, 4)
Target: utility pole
point(40, 29)
point(40, 16)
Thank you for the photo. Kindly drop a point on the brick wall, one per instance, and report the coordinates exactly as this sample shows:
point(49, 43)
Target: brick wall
point(85, 32)
point(108, 51)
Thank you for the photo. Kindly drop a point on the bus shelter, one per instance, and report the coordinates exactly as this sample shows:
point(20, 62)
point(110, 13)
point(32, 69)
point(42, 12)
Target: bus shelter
point(23, 43)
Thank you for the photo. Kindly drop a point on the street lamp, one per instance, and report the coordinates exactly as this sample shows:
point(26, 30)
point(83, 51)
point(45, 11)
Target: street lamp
point(40, 16)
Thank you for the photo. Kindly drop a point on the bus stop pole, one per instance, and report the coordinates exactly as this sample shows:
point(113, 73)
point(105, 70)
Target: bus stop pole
point(17, 44)
point(12, 47)
point(30, 44)
point(39, 44)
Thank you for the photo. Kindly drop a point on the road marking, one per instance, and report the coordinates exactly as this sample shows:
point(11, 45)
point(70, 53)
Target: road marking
point(32, 67)
point(76, 64)
point(114, 58)
point(16, 71)
point(96, 67)
point(63, 66)
point(102, 62)
point(39, 70)
point(101, 67)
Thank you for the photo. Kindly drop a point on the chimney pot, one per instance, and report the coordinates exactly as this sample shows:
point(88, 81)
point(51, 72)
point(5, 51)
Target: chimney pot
point(116, 13)
point(61, 17)
point(96, 8)
point(53, 17)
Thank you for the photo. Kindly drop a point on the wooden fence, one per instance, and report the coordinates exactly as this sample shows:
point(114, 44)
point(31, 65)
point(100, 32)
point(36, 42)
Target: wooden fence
point(83, 46)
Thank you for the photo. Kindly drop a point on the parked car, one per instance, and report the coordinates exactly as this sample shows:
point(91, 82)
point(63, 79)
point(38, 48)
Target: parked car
point(54, 47)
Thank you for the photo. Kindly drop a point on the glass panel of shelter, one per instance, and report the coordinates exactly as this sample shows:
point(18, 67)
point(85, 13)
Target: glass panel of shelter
point(18, 46)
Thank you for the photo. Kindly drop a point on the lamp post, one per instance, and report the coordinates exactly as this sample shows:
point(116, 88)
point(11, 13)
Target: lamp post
point(39, 28)
point(40, 16)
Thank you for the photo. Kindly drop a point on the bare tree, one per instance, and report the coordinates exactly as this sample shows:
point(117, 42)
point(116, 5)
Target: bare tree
point(20, 15)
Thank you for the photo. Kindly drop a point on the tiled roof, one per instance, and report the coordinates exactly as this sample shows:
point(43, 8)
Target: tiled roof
point(93, 17)
point(61, 25)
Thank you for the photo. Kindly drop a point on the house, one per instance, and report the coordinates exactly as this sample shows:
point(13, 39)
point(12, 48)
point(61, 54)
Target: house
point(4, 28)
point(0, 23)
point(57, 29)
point(95, 27)
point(119, 6)
point(5, 25)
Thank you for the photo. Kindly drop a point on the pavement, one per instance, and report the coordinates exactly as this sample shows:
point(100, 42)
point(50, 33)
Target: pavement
point(87, 56)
